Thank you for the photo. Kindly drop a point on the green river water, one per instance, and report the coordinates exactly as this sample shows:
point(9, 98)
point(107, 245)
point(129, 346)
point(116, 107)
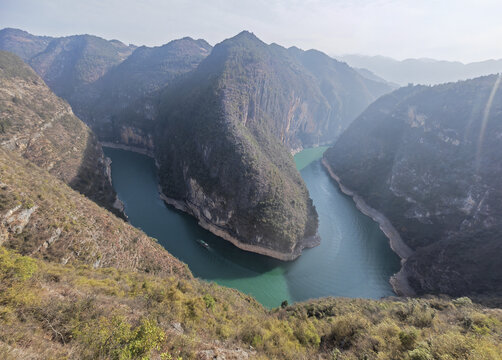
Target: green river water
point(353, 260)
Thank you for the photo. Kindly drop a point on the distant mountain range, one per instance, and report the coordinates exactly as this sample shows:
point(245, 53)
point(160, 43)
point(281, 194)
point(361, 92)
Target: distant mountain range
point(422, 71)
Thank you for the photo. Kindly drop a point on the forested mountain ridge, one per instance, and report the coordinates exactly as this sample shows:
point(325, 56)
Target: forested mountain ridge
point(66, 64)
point(135, 83)
point(428, 158)
point(225, 132)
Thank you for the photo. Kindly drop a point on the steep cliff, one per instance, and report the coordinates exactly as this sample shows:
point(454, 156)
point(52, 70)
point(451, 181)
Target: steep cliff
point(428, 158)
point(42, 127)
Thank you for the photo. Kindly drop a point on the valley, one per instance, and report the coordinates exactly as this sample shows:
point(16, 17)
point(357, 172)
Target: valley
point(353, 260)
point(236, 199)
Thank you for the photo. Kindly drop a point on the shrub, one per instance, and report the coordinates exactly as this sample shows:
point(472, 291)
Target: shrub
point(420, 354)
point(209, 300)
point(306, 333)
point(346, 328)
point(462, 301)
point(408, 338)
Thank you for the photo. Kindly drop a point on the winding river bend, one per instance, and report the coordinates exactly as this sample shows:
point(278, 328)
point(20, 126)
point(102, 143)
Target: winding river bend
point(353, 260)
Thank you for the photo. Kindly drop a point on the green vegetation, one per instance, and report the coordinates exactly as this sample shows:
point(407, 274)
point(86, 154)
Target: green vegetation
point(115, 314)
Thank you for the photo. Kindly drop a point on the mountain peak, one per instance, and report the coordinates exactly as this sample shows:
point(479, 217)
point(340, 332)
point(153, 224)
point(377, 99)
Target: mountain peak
point(246, 35)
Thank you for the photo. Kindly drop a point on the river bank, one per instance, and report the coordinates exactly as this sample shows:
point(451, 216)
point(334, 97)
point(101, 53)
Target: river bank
point(135, 149)
point(354, 258)
point(222, 233)
point(399, 280)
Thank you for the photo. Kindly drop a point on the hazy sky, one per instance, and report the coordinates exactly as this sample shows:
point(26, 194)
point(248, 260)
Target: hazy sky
point(465, 30)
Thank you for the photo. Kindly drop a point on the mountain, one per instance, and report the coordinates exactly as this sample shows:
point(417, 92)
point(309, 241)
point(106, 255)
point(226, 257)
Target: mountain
point(428, 159)
point(422, 71)
point(226, 120)
point(369, 75)
point(42, 127)
point(67, 64)
point(100, 78)
point(23, 44)
point(144, 72)
point(224, 135)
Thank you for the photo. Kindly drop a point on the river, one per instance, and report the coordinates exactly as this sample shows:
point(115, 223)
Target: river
point(353, 260)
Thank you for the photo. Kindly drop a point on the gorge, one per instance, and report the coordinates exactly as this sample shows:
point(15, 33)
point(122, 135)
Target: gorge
point(353, 260)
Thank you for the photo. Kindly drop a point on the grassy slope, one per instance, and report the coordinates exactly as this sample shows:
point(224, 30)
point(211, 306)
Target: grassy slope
point(43, 217)
point(55, 311)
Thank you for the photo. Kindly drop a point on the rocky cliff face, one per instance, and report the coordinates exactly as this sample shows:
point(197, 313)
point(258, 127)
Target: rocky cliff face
point(42, 127)
point(428, 158)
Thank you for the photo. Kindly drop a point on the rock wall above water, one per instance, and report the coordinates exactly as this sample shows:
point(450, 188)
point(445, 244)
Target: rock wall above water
point(428, 158)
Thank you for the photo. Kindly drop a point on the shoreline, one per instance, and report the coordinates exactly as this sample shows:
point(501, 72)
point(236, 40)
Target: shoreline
point(195, 212)
point(117, 203)
point(135, 149)
point(399, 280)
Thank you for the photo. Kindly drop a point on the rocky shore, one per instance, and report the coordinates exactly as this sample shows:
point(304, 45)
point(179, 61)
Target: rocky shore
point(193, 210)
point(399, 280)
point(221, 232)
point(136, 149)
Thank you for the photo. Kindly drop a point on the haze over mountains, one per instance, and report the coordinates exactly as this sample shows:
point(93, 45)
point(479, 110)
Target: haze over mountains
point(422, 71)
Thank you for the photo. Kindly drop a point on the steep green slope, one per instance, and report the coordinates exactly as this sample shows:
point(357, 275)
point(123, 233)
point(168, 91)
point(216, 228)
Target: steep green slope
point(42, 127)
point(225, 133)
point(42, 217)
point(52, 311)
point(428, 158)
